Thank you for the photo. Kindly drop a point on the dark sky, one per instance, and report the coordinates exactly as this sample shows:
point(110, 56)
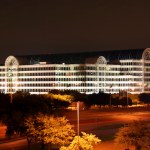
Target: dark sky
point(53, 26)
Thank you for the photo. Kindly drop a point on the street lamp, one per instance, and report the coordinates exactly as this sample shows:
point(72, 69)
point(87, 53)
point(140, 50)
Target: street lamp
point(78, 130)
point(110, 95)
point(127, 98)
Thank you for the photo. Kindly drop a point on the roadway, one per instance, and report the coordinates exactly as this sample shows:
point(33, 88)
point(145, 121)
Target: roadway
point(102, 123)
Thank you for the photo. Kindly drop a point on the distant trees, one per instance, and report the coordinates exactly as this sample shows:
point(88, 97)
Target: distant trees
point(4, 104)
point(100, 99)
point(46, 129)
point(105, 99)
point(145, 98)
point(136, 133)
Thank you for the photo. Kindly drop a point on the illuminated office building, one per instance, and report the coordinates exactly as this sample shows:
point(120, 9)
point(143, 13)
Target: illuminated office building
point(92, 72)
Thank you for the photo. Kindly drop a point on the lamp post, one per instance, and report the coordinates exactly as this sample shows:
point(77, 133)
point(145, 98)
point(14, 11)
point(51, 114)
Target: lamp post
point(110, 101)
point(127, 98)
point(78, 130)
point(110, 95)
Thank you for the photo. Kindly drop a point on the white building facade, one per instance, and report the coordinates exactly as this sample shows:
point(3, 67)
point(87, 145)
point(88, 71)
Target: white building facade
point(108, 72)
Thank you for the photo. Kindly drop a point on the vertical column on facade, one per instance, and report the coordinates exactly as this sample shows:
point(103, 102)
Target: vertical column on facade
point(101, 62)
point(11, 74)
point(146, 70)
point(97, 77)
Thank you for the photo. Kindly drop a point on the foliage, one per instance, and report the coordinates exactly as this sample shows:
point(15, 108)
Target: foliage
point(124, 101)
point(4, 104)
point(77, 96)
point(67, 98)
point(86, 142)
point(48, 129)
point(100, 99)
point(23, 105)
point(103, 99)
point(4, 107)
point(134, 98)
point(57, 101)
point(136, 133)
point(145, 98)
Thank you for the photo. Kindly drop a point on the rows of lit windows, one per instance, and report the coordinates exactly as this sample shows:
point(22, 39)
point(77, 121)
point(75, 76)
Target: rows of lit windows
point(37, 74)
point(147, 89)
point(76, 68)
point(75, 79)
point(137, 74)
point(125, 69)
point(58, 74)
point(137, 79)
point(70, 79)
point(131, 69)
point(75, 85)
point(55, 85)
point(57, 79)
point(36, 79)
point(146, 74)
point(44, 90)
point(2, 74)
point(114, 69)
point(119, 90)
point(101, 68)
point(131, 63)
point(57, 68)
point(146, 64)
point(2, 80)
point(147, 69)
point(117, 79)
point(122, 85)
point(37, 85)
point(36, 68)
point(2, 69)
point(47, 90)
point(62, 68)
point(70, 74)
point(111, 74)
point(147, 79)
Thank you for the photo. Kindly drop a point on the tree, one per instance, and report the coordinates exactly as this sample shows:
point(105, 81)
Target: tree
point(136, 133)
point(59, 100)
point(125, 101)
point(145, 98)
point(23, 105)
point(86, 142)
point(4, 103)
point(100, 99)
point(115, 101)
point(47, 129)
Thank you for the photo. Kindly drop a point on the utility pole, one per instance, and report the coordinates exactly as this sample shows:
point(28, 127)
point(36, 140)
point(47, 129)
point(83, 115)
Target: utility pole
point(110, 95)
point(78, 130)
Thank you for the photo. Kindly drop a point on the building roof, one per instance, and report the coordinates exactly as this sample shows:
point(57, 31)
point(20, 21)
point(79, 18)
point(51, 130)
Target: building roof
point(81, 58)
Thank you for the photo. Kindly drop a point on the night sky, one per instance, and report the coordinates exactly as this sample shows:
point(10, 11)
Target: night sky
point(58, 26)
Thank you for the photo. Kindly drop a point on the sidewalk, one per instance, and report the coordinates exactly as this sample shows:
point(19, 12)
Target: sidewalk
point(110, 145)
